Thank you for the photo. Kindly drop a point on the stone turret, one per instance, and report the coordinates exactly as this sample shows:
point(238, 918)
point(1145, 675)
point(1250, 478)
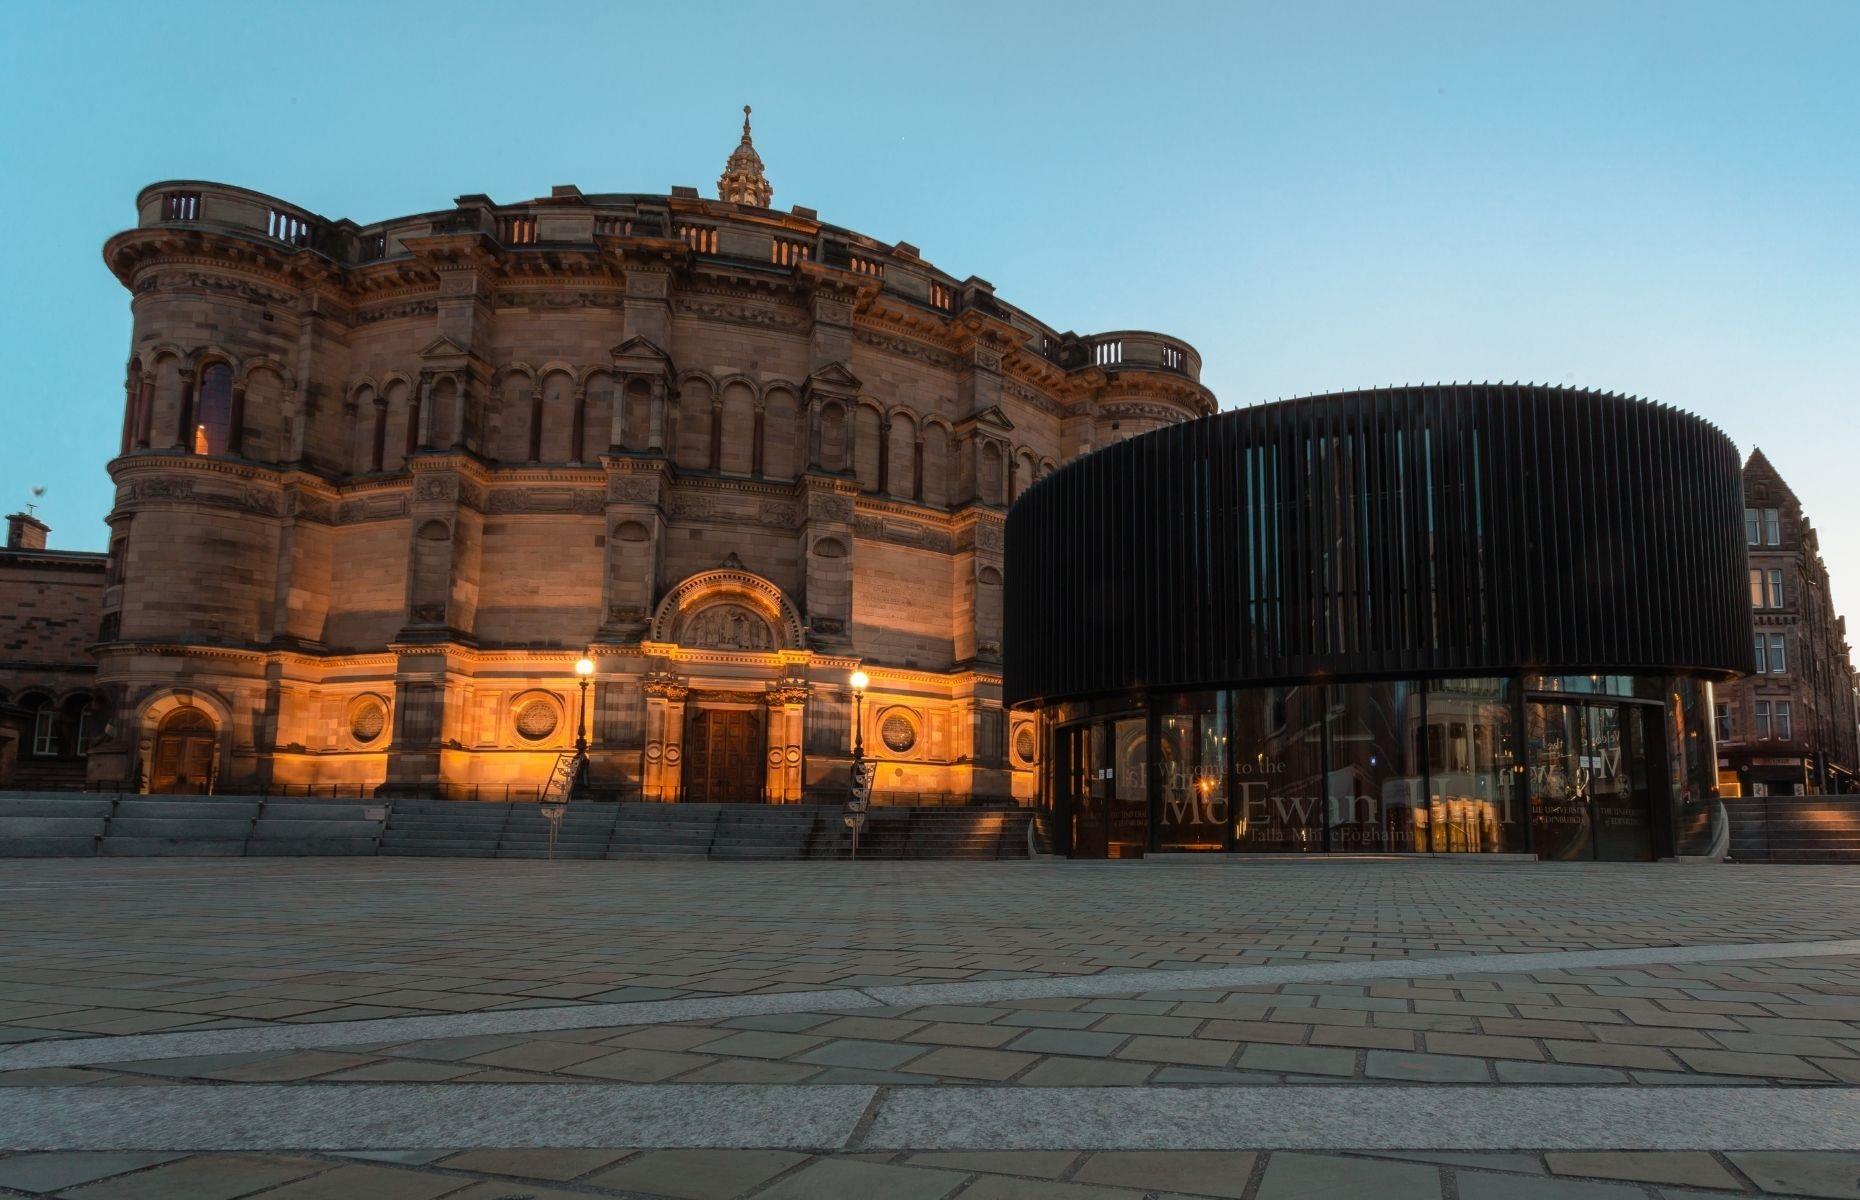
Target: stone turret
point(742, 181)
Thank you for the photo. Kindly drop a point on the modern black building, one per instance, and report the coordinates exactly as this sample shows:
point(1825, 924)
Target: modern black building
point(1459, 618)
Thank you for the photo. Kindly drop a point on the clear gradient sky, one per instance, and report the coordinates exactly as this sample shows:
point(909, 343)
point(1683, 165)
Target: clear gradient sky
point(1655, 198)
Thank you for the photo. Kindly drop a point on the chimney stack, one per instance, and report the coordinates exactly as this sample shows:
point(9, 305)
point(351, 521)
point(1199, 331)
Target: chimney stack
point(25, 532)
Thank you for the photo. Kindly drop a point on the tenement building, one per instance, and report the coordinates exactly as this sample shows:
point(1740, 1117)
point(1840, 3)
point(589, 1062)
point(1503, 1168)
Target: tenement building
point(49, 605)
point(381, 486)
point(1790, 728)
point(1454, 619)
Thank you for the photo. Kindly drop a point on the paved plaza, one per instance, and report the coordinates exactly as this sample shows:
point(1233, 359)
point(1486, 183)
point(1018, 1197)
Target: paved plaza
point(377, 1029)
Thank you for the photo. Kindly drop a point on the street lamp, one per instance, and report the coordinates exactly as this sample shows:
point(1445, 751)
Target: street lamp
point(860, 800)
point(584, 667)
point(859, 681)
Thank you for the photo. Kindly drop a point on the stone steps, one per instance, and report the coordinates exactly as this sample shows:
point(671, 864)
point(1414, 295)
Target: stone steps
point(33, 825)
point(1796, 829)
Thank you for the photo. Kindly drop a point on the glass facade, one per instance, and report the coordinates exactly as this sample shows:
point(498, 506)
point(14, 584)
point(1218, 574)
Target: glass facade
point(1575, 767)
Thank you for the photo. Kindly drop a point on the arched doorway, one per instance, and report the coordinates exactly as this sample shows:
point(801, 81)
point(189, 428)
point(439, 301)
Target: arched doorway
point(723, 757)
point(184, 750)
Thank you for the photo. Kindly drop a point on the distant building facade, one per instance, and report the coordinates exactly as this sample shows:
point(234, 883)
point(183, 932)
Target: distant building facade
point(1793, 726)
point(50, 604)
point(379, 487)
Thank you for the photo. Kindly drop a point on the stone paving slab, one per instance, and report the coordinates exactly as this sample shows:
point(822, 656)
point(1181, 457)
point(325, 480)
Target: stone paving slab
point(520, 1174)
point(263, 942)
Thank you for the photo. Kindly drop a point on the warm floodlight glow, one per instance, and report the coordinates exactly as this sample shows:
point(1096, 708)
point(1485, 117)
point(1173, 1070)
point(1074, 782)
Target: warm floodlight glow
point(585, 667)
point(859, 681)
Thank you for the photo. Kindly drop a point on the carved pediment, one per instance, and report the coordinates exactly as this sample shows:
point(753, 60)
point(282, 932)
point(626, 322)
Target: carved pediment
point(640, 349)
point(834, 379)
point(988, 418)
point(444, 347)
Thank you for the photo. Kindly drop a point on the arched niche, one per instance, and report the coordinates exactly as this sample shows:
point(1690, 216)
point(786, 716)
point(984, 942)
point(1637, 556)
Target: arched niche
point(728, 609)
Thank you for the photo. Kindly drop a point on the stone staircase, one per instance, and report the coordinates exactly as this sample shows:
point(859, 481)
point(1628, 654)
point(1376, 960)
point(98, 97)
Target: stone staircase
point(179, 826)
point(315, 828)
point(664, 831)
point(444, 829)
point(53, 826)
point(127, 825)
point(1795, 829)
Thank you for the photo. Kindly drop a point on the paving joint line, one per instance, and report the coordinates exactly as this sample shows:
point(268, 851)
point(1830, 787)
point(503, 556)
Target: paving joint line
point(306, 1035)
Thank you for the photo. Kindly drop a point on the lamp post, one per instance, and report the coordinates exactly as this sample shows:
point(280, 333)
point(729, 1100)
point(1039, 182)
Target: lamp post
point(584, 667)
point(860, 801)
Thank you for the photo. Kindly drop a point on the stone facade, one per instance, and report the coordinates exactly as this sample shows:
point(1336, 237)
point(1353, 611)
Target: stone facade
point(50, 601)
point(1793, 727)
point(379, 487)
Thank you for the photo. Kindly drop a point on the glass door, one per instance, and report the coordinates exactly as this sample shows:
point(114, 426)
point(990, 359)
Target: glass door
point(1127, 785)
point(1591, 795)
point(1084, 808)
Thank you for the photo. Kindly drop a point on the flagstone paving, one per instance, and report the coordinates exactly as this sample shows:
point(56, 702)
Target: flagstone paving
point(134, 952)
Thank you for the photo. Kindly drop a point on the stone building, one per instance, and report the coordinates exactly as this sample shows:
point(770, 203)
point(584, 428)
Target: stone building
point(380, 486)
point(50, 601)
point(1791, 728)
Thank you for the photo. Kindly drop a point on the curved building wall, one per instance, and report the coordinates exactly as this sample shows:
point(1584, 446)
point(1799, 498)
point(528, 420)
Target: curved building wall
point(380, 486)
point(1446, 530)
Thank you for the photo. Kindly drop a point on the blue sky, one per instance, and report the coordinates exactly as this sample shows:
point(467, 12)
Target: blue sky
point(1654, 198)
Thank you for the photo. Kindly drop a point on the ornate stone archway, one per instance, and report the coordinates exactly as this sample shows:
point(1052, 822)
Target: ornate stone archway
point(730, 608)
point(182, 740)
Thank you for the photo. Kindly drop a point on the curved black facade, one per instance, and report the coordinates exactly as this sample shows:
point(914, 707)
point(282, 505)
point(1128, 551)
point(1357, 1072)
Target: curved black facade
point(1449, 530)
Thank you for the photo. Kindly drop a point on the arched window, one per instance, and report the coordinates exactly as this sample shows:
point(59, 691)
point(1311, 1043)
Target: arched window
point(213, 411)
point(44, 730)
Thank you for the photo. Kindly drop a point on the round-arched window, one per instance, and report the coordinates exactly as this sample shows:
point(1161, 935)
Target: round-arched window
point(1023, 744)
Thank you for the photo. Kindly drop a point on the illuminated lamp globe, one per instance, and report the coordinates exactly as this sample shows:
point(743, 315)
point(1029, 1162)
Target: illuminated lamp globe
point(584, 667)
point(859, 681)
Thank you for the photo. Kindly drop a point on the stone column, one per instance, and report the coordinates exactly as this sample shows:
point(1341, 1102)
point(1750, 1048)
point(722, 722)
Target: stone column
point(665, 735)
point(787, 705)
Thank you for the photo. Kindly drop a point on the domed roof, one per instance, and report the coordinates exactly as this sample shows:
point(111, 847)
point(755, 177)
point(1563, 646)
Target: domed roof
point(742, 181)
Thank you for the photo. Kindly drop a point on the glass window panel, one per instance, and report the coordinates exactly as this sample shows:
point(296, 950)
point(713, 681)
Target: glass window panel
point(1473, 800)
point(1784, 728)
point(1750, 526)
point(213, 411)
point(1191, 772)
point(1778, 665)
point(1757, 599)
point(1278, 756)
point(1129, 820)
point(1762, 723)
point(1762, 667)
point(1772, 527)
point(1374, 784)
point(1776, 592)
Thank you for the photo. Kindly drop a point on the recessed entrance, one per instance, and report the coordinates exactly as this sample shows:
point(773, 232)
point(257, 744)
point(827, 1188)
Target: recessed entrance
point(1104, 768)
point(723, 758)
point(183, 761)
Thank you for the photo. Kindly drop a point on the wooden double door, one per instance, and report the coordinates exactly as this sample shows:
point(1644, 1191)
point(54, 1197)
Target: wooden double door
point(723, 757)
point(184, 750)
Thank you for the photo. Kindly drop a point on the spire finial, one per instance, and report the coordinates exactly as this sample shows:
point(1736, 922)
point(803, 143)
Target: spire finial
point(743, 181)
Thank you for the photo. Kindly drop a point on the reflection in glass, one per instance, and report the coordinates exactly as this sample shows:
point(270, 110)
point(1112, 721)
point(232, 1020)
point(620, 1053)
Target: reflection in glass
point(1374, 780)
point(1191, 772)
point(1278, 756)
point(1129, 795)
point(1472, 796)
